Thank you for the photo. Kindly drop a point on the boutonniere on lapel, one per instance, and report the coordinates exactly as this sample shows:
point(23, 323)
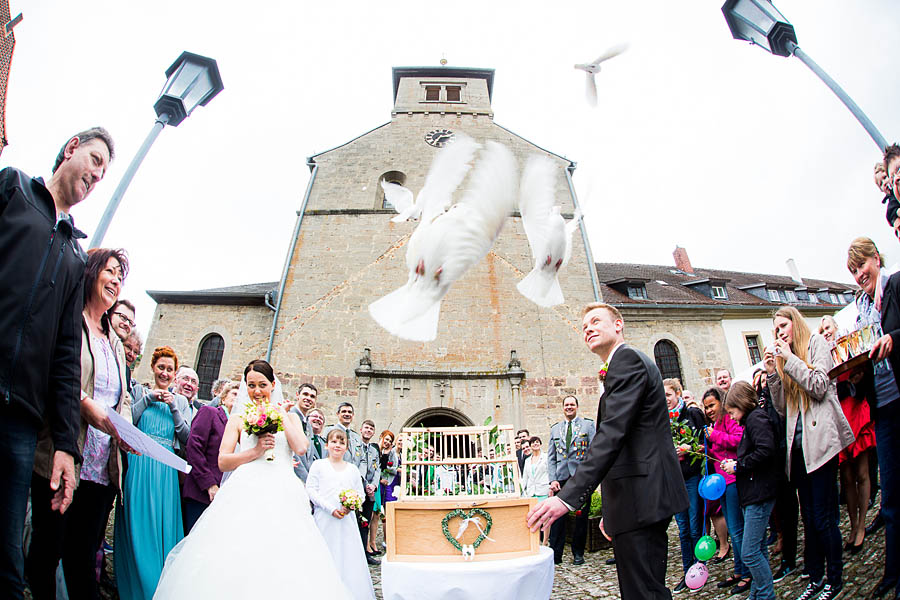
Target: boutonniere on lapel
point(601, 374)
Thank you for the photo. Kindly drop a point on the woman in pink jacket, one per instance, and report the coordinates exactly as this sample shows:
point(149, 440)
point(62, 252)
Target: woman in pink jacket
point(723, 436)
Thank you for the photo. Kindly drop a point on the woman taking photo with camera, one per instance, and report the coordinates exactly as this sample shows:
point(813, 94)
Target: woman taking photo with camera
point(817, 430)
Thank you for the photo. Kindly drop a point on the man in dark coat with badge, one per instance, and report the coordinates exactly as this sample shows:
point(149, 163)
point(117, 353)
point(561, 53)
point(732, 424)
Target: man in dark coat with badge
point(633, 458)
point(569, 441)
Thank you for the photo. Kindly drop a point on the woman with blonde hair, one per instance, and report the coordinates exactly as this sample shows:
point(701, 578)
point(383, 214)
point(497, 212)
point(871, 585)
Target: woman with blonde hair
point(879, 303)
point(817, 430)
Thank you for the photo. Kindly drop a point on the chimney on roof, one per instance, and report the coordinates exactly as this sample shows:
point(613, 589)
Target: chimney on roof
point(682, 262)
point(794, 271)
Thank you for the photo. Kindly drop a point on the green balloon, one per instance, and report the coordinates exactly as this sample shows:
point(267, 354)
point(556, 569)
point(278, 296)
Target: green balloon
point(706, 547)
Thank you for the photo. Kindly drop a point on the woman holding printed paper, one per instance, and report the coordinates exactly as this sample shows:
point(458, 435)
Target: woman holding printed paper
point(76, 535)
point(149, 523)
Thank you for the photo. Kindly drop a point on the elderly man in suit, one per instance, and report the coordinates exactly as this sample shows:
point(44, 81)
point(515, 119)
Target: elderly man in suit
point(632, 456)
point(316, 419)
point(569, 441)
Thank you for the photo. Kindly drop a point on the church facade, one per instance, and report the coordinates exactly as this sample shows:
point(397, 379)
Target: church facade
point(496, 355)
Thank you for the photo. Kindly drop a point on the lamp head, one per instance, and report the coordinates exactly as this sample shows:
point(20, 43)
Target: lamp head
point(193, 81)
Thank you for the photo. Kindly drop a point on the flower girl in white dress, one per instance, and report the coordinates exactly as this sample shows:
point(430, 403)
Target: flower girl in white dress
point(258, 535)
point(327, 478)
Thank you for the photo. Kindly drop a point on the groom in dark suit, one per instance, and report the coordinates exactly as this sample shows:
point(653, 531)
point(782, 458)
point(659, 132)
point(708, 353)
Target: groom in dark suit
point(633, 458)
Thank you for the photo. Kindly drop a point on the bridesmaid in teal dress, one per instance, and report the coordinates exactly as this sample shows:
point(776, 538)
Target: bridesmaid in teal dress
point(148, 523)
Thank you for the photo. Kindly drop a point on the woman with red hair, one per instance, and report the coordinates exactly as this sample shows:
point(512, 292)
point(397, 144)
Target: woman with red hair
point(149, 523)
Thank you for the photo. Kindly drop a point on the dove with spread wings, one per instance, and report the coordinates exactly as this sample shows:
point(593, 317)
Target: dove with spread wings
point(443, 247)
point(549, 235)
point(592, 68)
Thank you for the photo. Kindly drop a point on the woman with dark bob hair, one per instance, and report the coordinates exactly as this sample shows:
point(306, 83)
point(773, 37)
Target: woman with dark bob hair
point(76, 535)
point(723, 435)
point(262, 499)
point(756, 473)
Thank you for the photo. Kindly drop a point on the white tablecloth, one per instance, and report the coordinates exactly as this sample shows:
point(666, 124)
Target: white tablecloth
point(515, 579)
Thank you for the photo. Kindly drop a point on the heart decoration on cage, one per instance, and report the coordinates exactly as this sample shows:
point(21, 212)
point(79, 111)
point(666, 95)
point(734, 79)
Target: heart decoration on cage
point(468, 517)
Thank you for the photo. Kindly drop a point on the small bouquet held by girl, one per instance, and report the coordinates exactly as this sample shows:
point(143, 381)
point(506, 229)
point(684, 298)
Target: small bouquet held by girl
point(260, 419)
point(351, 500)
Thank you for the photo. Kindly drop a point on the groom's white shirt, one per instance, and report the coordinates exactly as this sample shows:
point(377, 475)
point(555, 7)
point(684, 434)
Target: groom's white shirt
point(608, 360)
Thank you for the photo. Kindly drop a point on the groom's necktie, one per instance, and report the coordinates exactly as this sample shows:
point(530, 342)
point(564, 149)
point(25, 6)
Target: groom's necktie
point(317, 444)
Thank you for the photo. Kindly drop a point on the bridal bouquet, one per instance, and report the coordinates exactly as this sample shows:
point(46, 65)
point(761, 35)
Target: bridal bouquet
point(263, 418)
point(351, 500)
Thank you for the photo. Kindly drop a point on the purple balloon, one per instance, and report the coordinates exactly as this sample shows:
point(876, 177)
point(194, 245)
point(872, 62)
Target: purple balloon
point(696, 576)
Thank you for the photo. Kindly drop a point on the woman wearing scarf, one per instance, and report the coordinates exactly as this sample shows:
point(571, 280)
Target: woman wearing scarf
point(879, 302)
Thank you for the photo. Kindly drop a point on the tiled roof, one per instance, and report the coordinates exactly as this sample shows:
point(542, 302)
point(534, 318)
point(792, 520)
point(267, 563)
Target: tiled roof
point(250, 294)
point(667, 285)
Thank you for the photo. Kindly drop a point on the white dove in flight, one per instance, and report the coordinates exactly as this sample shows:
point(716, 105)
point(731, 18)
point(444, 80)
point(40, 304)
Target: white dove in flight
point(593, 68)
point(442, 249)
point(549, 235)
point(447, 171)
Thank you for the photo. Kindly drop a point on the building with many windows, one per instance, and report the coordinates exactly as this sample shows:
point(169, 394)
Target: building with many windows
point(695, 321)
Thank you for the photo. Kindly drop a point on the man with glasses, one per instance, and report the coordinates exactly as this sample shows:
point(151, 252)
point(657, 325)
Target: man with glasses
point(187, 384)
point(316, 448)
point(121, 317)
point(133, 346)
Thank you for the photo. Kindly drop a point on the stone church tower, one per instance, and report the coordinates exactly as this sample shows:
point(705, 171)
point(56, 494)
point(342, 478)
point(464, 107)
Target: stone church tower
point(496, 354)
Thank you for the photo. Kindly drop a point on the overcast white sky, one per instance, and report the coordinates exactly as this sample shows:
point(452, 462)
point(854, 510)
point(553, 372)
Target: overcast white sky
point(743, 158)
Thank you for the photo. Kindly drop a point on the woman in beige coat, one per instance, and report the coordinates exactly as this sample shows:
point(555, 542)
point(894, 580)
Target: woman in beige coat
point(816, 431)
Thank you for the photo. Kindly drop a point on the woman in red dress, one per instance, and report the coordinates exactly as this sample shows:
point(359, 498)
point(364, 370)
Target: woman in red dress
point(854, 459)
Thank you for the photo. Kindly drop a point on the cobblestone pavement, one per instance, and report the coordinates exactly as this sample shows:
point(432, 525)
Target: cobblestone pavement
point(596, 579)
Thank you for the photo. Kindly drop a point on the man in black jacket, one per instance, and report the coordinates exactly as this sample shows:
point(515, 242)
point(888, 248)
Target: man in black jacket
point(632, 456)
point(41, 275)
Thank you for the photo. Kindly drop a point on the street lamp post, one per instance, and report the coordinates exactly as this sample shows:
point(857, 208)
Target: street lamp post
point(760, 23)
point(193, 81)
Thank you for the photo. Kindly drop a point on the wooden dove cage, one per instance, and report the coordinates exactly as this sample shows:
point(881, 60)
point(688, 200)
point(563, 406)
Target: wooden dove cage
point(459, 497)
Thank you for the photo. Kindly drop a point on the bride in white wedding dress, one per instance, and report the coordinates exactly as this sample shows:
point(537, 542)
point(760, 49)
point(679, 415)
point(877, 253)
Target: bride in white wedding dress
point(258, 535)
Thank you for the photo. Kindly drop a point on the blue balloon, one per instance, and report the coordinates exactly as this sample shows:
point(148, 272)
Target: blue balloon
point(712, 487)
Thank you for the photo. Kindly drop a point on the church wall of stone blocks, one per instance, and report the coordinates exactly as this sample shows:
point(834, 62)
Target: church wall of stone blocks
point(496, 354)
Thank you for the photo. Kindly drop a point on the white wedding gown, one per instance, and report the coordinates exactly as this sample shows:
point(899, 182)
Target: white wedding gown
point(257, 538)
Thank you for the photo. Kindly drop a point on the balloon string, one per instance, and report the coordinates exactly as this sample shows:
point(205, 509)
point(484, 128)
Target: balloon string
point(705, 473)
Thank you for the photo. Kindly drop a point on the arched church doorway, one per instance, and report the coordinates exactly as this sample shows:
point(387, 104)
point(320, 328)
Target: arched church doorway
point(438, 416)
